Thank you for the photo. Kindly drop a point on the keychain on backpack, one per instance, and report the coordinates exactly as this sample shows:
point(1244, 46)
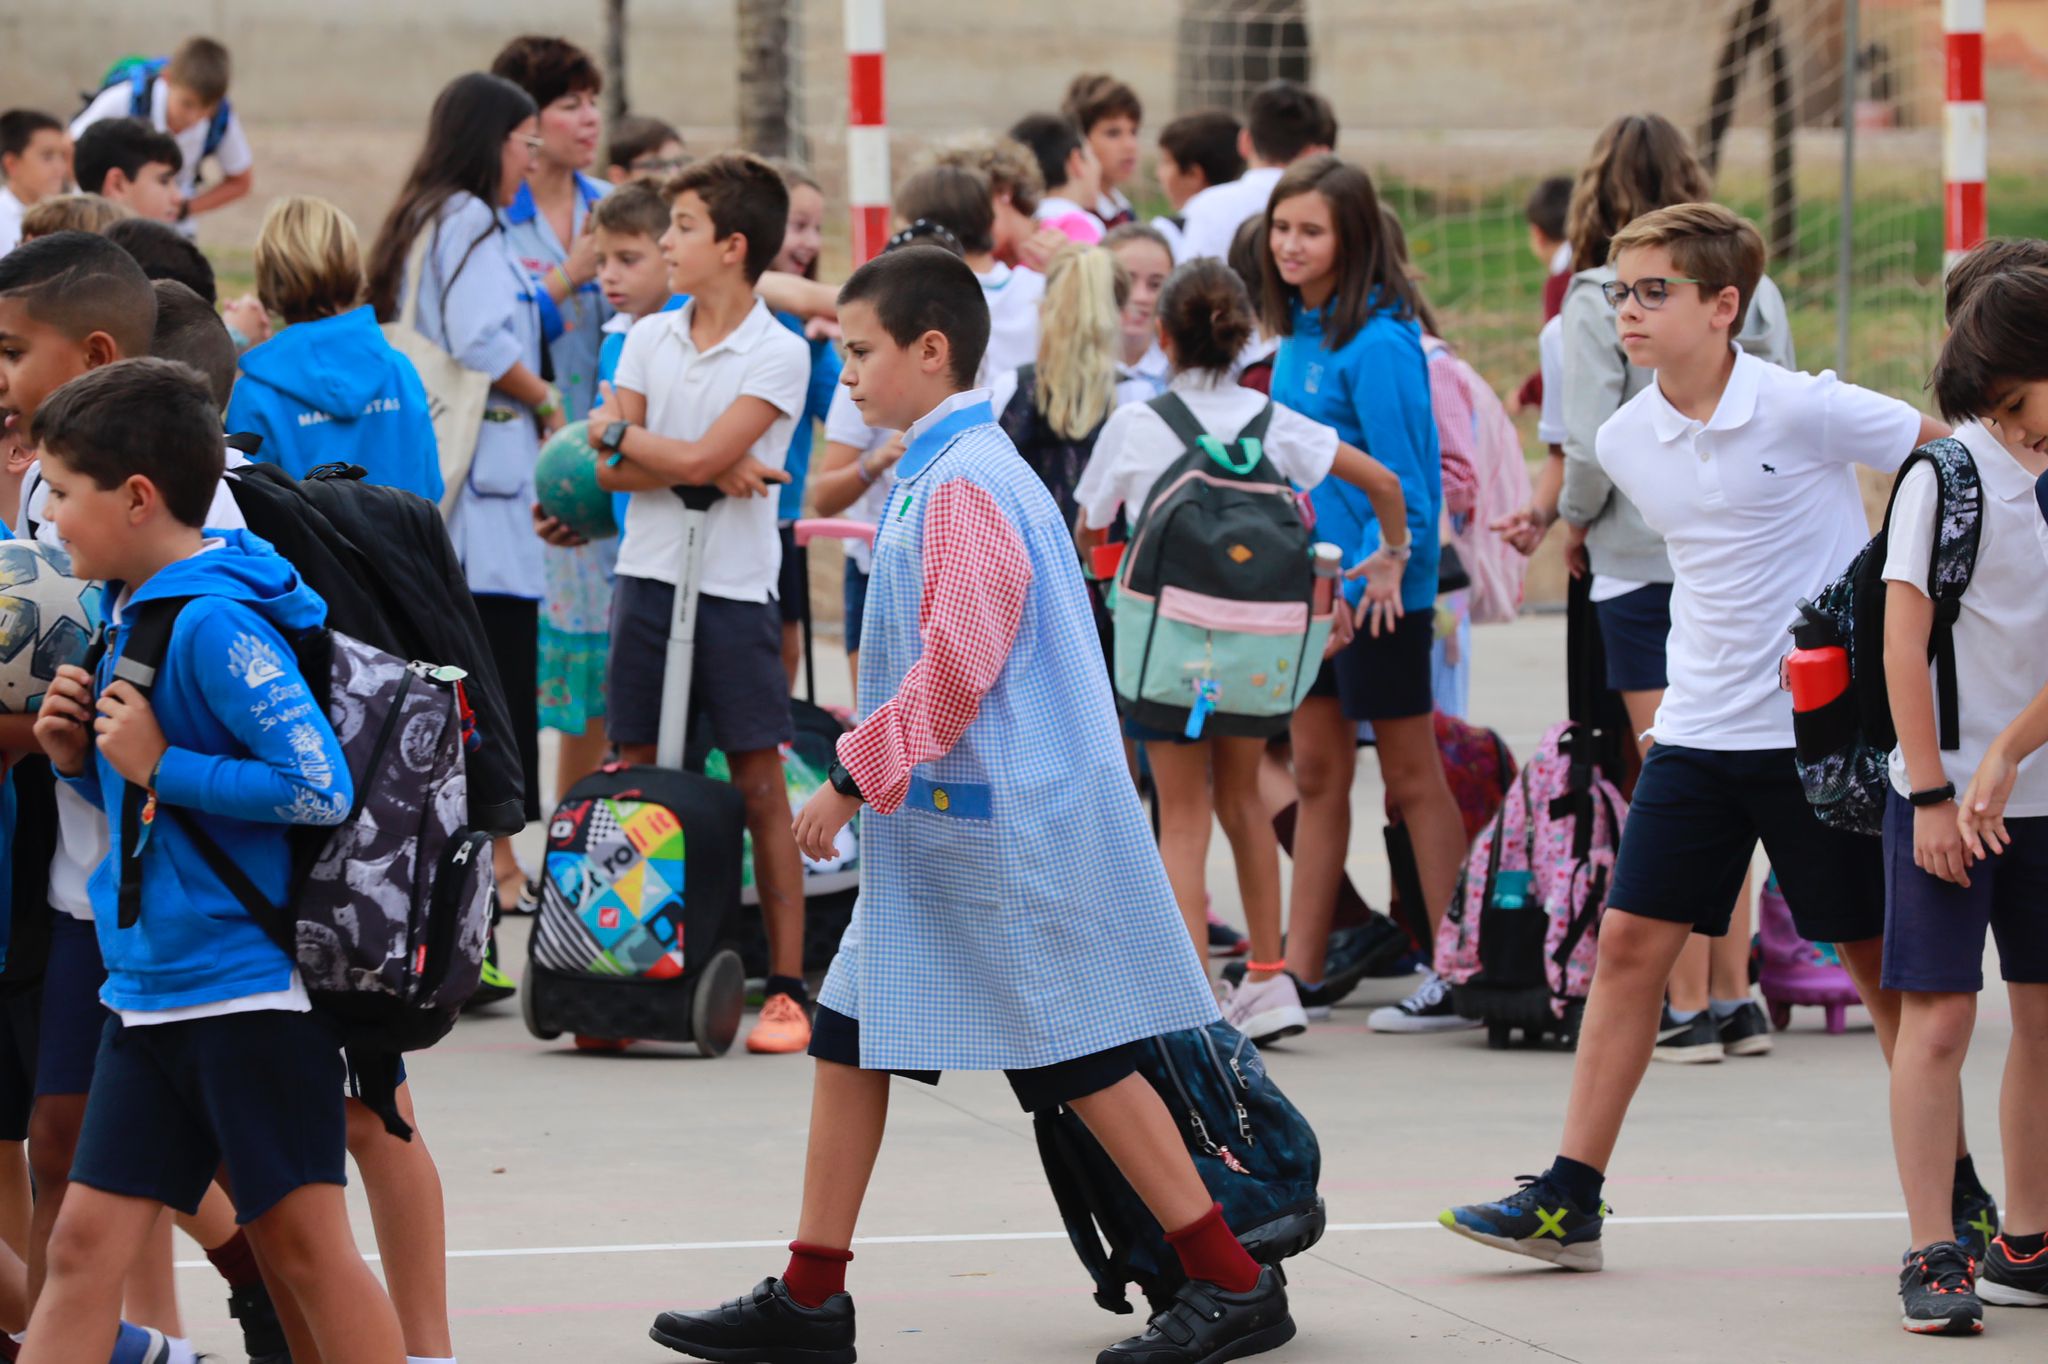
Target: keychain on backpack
point(1206, 692)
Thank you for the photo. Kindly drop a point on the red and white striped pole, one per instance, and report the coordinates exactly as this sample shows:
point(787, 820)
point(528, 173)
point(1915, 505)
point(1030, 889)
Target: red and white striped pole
point(867, 129)
point(1964, 154)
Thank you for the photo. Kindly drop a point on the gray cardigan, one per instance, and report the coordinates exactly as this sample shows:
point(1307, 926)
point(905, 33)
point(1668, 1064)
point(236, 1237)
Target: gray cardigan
point(1598, 379)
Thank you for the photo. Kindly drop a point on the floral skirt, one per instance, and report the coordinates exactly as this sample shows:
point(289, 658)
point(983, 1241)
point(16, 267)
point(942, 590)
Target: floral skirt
point(575, 628)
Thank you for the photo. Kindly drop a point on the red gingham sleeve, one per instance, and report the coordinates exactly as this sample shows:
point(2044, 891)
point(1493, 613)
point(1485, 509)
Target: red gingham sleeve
point(1454, 423)
point(976, 574)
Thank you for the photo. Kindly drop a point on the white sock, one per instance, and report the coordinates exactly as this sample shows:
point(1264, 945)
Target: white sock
point(181, 1351)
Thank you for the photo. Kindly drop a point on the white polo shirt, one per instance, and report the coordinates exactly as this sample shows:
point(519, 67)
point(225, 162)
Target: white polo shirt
point(233, 152)
point(1759, 508)
point(687, 390)
point(1211, 218)
point(2001, 636)
point(1013, 295)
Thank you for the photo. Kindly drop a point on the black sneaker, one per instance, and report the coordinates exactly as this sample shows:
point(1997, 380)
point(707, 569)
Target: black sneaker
point(767, 1326)
point(493, 986)
point(2008, 1280)
point(1539, 1220)
point(1207, 1325)
point(1975, 1214)
point(1746, 1032)
point(1429, 1008)
point(1691, 1043)
point(1938, 1288)
point(262, 1334)
point(1369, 949)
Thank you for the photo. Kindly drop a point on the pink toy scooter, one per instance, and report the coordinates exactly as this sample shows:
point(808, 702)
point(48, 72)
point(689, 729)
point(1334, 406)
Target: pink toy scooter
point(1795, 971)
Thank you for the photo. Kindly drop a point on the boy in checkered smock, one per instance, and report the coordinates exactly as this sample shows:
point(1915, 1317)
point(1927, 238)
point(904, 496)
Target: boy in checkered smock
point(1014, 914)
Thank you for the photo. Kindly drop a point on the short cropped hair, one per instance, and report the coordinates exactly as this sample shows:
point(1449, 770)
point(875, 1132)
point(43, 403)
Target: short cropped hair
point(189, 331)
point(955, 198)
point(1286, 118)
point(200, 65)
point(81, 283)
point(919, 289)
point(18, 128)
point(1712, 244)
point(1052, 140)
point(1549, 205)
point(547, 68)
point(1985, 260)
point(123, 144)
point(635, 208)
point(308, 260)
point(743, 194)
point(163, 252)
point(70, 213)
point(1009, 165)
point(635, 136)
point(1206, 140)
point(91, 424)
point(1997, 340)
point(1094, 96)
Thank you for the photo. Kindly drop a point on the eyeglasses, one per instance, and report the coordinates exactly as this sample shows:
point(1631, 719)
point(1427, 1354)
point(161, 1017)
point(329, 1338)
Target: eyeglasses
point(657, 165)
point(534, 143)
point(1650, 292)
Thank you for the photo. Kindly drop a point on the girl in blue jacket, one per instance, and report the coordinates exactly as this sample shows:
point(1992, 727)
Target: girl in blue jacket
point(328, 389)
point(1351, 357)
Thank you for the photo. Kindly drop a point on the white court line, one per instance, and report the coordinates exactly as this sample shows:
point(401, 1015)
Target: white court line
point(674, 1247)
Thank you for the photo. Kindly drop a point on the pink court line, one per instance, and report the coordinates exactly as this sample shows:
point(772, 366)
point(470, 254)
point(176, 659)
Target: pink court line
point(963, 1238)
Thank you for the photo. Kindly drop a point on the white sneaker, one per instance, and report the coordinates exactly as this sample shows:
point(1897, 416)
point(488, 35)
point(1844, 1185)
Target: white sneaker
point(1265, 1010)
point(1427, 1010)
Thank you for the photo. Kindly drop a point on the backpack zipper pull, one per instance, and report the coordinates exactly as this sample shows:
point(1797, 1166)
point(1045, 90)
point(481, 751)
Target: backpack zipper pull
point(1205, 702)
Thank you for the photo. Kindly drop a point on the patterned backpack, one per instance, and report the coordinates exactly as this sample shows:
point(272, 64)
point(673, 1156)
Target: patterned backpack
point(1844, 747)
point(1521, 936)
point(1495, 567)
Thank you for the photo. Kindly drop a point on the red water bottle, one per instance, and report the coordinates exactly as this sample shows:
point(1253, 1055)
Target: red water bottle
point(1817, 669)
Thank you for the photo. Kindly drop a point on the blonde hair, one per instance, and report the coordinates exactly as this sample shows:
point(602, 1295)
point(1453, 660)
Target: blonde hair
point(1079, 339)
point(309, 263)
point(70, 213)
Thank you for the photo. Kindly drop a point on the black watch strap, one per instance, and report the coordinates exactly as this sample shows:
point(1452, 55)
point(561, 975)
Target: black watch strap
point(1933, 795)
point(614, 436)
point(842, 781)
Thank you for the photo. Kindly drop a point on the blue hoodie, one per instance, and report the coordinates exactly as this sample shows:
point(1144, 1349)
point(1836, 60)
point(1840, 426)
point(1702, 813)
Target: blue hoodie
point(250, 753)
point(332, 391)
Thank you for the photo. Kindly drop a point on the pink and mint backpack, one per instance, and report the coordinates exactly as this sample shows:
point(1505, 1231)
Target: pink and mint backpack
point(1522, 933)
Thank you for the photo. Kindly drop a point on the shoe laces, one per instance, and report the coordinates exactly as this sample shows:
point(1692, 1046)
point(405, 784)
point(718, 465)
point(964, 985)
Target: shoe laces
point(1945, 1268)
point(1432, 992)
point(782, 1010)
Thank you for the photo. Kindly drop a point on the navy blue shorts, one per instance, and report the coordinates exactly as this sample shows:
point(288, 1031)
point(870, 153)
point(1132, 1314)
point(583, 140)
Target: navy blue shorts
point(72, 1013)
point(172, 1103)
point(1694, 824)
point(835, 1037)
point(1634, 628)
point(1387, 678)
point(21, 1018)
point(853, 595)
point(1934, 929)
point(739, 695)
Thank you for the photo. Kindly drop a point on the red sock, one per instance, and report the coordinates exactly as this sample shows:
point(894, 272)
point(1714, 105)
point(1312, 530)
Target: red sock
point(235, 1261)
point(1210, 1252)
point(815, 1273)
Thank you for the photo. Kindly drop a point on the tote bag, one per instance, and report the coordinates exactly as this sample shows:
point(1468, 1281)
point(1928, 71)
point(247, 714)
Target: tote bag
point(456, 394)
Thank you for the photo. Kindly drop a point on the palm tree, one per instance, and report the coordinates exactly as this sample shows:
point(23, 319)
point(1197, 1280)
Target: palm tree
point(768, 34)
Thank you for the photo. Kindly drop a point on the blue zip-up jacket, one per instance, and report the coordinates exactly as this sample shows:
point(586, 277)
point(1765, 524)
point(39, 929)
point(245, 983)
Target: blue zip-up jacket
point(825, 367)
point(250, 753)
point(333, 390)
point(1375, 391)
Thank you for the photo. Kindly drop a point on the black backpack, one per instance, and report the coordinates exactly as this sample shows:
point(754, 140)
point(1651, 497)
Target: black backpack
point(1844, 748)
point(1058, 460)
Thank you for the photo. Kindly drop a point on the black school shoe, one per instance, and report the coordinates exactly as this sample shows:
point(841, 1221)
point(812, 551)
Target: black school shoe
point(1207, 1325)
point(262, 1334)
point(1938, 1292)
point(2010, 1281)
point(1746, 1032)
point(767, 1326)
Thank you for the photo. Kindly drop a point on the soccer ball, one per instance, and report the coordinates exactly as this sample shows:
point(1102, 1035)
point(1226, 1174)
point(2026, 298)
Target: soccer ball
point(47, 619)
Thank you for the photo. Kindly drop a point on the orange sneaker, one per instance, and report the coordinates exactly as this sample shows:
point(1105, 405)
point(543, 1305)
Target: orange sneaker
point(783, 1028)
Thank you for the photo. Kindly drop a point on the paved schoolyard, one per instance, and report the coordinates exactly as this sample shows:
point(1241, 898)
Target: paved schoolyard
point(1755, 1200)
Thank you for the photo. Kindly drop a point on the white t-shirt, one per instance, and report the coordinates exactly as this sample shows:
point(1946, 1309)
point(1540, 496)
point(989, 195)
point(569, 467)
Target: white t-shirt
point(844, 426)
point(687, 390)
point(1211, 218)
point(1759, 508)
point(1137, 446)
point(1013, 297)
point(1550, 427)
point(2001, 636)
point(10, 220)
point(232, 154)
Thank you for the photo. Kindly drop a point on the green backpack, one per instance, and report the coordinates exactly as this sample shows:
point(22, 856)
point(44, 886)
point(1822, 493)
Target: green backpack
point(1216, 633)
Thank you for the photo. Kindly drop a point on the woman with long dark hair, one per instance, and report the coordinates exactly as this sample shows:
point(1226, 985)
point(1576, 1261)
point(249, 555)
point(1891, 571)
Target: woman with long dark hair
point(478, 303)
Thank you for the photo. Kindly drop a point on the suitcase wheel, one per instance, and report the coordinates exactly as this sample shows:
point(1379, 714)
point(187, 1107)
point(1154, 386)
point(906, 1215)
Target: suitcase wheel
point(716, 1003)
point(1499, 1035)
point(529, 1007)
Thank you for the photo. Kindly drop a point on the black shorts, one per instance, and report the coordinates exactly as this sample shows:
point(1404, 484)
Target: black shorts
point(21, 1017)
point(835, 1037)
point(1694, 823)
point(853, 598)
point(172, 1103)
point(739, 696)
point(1634, 628)
point(512, 629)
point(1387, 678)
point(72, 1013)
point(1934, 930)
point(793, 586)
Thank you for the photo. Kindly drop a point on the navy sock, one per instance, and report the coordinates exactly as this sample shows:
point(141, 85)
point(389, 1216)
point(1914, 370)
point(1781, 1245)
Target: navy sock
point(1580, 1182)
point(1967, 1182)
point(787, 985)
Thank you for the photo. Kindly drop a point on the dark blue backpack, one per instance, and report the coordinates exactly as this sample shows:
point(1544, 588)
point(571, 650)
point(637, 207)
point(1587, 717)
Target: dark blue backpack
point(1254, 1150)
point(139, 75)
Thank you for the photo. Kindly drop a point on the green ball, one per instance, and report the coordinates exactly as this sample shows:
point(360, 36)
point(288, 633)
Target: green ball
point(565, 483)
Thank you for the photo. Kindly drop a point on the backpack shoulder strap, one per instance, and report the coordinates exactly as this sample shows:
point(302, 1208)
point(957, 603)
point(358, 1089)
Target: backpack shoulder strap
point(217, 128)
point(1179, 418)
point(1070, 1192)
point(141, 83)
point(1250, 441)
point(1958, 528)
point(272, 920)
point(149, 639)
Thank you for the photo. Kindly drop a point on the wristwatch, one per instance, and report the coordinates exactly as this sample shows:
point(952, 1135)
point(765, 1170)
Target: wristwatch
point(1933, 795)
point(842, 781)
point(614, 436)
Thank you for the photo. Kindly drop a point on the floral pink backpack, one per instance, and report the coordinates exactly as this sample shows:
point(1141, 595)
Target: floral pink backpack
point(1495, 567)
point(1522, 933)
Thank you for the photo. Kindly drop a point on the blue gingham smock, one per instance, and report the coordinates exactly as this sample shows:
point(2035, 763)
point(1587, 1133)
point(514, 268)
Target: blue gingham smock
point(1013, 910)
